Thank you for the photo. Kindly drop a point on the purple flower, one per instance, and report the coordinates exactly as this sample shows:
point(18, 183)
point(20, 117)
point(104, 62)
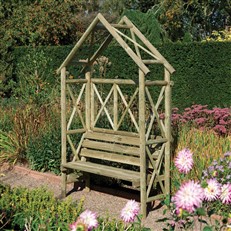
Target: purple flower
point(184, 161)
point(227, 154)
point(213, 190)
point(89, 219)
point(226, 193)
point(130, 211)
point(189, 196)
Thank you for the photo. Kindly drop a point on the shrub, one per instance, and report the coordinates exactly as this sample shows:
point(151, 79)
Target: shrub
point(36, 208)
point(44, 151)
point(34, 77)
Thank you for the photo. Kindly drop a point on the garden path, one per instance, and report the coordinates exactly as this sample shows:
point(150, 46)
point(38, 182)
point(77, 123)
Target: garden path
point(104, 201)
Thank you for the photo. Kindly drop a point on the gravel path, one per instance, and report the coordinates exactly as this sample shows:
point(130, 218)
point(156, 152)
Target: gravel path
point(104, 201)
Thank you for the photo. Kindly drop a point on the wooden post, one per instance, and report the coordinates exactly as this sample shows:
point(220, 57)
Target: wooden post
point(63, 131)
point(88, 116)
point(143, 183)
point(168, 130)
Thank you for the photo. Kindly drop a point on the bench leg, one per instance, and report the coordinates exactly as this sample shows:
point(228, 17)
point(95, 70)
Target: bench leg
point(87, 182)
point(143, 210)
point(64, 185)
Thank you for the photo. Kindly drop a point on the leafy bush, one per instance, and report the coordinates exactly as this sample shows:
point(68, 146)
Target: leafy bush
point(44, 152)
point(33, 74)
point(37, 208)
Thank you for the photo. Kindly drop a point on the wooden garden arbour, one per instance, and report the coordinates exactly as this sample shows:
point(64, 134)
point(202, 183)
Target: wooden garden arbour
point(154, 152)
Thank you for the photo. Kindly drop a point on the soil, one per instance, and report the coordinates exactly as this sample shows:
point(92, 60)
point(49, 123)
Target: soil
point(105, 201)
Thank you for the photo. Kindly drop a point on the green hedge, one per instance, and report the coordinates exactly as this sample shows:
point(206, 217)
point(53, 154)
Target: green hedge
point(203, 70)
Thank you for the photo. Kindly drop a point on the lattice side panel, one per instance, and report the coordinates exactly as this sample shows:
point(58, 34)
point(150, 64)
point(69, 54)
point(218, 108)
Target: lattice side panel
point(75, 117)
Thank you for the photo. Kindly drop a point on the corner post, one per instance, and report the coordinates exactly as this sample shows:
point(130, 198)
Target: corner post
point(168, 131)
point(143, 177)
point(63, 132)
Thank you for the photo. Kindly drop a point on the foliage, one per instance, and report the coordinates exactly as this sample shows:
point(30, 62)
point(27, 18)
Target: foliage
point(28, 122)
point(42, 22)
point(6, 65)
point(202, 70)
point(36, 208)
point(43, 152)
point(34, 78)
point(198, 18)
point(152, 30)
point(9, 148)
point(221, 36)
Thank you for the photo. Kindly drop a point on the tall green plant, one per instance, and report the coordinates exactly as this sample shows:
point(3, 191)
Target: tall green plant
point(9, 148)
point(33, 74)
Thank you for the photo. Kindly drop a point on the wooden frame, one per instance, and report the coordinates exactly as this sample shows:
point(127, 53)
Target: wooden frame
point(153, 156)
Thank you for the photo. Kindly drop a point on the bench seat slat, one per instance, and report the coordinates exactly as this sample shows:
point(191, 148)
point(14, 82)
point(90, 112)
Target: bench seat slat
point(104, 170)
point(110, 157)
point(112, 147)
point(122, 139)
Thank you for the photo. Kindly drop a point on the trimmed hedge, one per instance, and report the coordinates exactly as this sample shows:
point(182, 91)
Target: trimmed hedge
point(203, 70)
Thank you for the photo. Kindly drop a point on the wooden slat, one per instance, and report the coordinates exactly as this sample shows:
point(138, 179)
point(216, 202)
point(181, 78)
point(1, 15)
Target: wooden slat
point(122, 139)
point(109, 131)
point(104, 170)
point(111, 147)
point(156, 141)
point(76, 81)
point(110, 157)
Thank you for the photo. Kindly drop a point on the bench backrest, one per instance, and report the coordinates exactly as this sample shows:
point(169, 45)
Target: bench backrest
point(115, 148)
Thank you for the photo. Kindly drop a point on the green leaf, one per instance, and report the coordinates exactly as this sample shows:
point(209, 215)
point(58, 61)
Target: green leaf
point(207, 228)
point(201, 212)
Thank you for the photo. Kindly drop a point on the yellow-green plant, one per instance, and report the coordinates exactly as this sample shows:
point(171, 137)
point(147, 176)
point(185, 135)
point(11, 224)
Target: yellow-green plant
point(38, 207)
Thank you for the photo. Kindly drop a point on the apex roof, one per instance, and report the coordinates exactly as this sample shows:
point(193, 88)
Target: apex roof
point(114, 32)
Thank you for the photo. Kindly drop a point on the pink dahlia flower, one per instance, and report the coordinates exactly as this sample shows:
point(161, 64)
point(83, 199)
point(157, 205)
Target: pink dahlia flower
point(189, 197)
point(89, 219)
point(130, 211)
point(226, 193)
point(73, 226)
point(213, 190)
point(184, 161)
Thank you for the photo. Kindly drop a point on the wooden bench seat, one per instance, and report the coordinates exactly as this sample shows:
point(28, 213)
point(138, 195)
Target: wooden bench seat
point(111, 155)
point(104, 170)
